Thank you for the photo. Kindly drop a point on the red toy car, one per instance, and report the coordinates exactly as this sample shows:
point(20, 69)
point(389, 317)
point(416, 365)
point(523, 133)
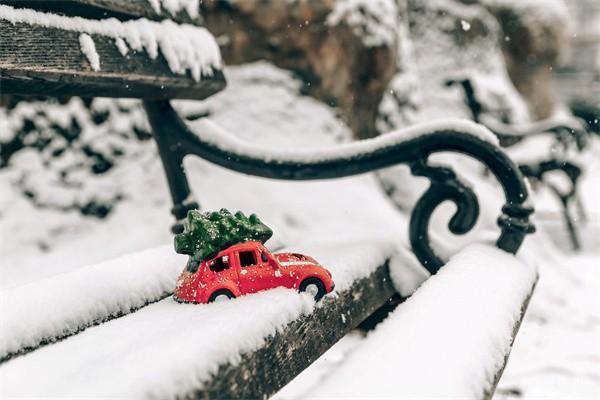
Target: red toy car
point(249, 268)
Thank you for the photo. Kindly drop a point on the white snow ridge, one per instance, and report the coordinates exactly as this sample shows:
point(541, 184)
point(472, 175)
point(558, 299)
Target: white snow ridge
point(186, 48)
point(89, 50)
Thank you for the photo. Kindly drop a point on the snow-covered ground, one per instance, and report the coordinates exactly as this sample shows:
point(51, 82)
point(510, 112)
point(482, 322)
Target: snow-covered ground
point(556, 353)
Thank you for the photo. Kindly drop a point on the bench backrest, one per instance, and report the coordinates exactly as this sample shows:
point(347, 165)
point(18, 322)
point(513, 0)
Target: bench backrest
point(65, 55)
point(123, 10)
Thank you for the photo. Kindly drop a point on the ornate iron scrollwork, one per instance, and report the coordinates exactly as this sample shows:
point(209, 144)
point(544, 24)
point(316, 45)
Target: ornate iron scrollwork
point(445, 186)
point(175, 141)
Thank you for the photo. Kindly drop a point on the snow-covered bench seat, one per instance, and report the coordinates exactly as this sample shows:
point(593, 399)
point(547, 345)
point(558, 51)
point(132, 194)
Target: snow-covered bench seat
point(248, 346)
point(182, 11)
point(449, 340)
point(54, 55)
point(455, 332)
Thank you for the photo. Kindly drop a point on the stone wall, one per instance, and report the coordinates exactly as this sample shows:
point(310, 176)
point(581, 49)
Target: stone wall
point(346, 54)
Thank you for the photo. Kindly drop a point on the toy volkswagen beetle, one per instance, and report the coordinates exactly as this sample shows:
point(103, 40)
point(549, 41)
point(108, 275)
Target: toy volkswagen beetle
point(249, 267)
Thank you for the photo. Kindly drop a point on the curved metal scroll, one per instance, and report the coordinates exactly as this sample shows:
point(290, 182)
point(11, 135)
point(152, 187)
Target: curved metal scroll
point(175, 141)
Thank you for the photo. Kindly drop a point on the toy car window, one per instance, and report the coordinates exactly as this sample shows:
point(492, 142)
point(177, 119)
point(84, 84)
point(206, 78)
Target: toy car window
point(219, 264)
point(263, 257)
point(247, 258)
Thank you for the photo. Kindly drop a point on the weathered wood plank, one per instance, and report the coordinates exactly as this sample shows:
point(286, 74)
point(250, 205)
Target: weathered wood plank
point(452, 337)
point(98, 9)
point(329, 321)
point(36, 60)
point(262, 373)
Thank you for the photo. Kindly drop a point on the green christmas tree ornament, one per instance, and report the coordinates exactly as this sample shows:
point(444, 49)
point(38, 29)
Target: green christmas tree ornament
point(205, 234)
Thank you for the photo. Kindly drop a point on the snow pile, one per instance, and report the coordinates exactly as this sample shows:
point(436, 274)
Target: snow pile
point(64, 304)
point(406, 272)
point(349, 261)
point(186, 48)
point(122, 46)
point(157, 352)
point(165, 349)
point(67, 303)
point(88, 48)
point(446, 341)
point(374, 21)
point(191, 7)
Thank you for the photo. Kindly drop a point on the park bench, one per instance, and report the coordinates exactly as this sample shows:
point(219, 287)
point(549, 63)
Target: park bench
point(62, 48)
point(568, 133)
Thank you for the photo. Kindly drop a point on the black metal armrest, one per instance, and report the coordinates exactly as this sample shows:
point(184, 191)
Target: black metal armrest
point(411, 146)
point(564, 128)
point(567, 130)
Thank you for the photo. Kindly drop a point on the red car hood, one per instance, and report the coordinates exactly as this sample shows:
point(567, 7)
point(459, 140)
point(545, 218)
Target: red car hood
point(294, 259)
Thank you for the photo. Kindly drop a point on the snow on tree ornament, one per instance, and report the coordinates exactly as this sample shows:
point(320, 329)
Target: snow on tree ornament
point(205, 234)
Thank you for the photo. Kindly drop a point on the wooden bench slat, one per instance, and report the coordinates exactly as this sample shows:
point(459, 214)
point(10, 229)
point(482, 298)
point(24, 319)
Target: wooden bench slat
point(49, 61)
point(451, 338)
point(264, 372)
point(263, 369)
point(98, 9)
point(201, 368)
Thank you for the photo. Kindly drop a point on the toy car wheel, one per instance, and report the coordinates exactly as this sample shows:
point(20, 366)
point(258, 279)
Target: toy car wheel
point(314, 287)
point(220, 295)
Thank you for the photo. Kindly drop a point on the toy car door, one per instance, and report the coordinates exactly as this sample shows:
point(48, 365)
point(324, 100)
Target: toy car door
point(254, 274)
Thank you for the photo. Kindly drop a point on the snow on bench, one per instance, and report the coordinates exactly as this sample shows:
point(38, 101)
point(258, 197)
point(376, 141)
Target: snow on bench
point(167, 348)
point(450, 340)
point(182, 11)
point(61, 55)
point(44, 311)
